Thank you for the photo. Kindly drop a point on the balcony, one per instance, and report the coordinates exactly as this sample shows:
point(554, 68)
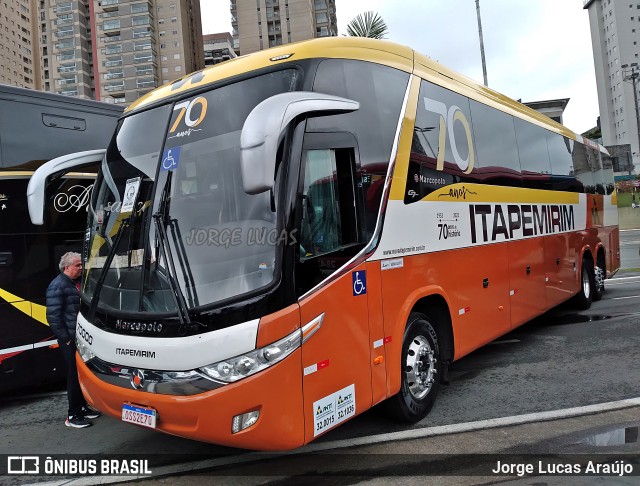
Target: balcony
point(67, 81)
point(69, 68)
point(109, 5)
point(144, 58)
point(111, 27)
point(144, 70)
point(64, 34)
point(64, 20)
point(142, 47)
point(113, 38)
point(112, 50)
point(65, 45)
point(139, 8)
point(142, 20)
point(145, 84)
point(114, 88)
point(115, 63)
point(114, 75)
point(69, 92)
point(66, 56)
point(63, 8)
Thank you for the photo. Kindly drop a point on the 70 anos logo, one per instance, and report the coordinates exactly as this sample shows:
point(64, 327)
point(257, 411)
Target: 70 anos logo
point(448, 117)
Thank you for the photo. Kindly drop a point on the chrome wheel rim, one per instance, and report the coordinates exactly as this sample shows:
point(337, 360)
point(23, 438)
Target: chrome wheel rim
point(420, 367)
point(586, 284)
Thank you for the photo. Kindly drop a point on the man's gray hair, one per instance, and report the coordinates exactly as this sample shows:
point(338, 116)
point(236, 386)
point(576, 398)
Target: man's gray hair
point(67, 259)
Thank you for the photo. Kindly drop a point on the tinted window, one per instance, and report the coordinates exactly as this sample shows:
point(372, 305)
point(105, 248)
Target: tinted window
point(560, 154)
point(434, 140)
point(582, 167)
point(497, 152)
point(560, 149)
point(380, 91)
point(534, 154)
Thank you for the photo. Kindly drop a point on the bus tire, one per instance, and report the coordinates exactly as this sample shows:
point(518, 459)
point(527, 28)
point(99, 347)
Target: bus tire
point(421, 367)
point(598, 281)
point(587, 285)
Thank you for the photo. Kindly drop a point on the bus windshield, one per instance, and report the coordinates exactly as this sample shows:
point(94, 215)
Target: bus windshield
point(169, 220)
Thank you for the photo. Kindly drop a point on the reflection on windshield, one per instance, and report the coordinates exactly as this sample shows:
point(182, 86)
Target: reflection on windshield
point(183, 171)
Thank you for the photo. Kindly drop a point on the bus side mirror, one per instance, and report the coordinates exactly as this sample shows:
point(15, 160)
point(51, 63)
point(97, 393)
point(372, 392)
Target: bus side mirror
point(266, 125)
point(38, 181)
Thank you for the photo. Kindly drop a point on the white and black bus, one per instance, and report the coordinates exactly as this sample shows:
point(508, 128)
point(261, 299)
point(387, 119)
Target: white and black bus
point(36, 127)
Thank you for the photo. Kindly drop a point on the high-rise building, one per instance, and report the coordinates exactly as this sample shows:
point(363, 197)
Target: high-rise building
point(615, 34)
point(218, 48)
point(260, 24)
point(118, 50)
point(19, 63)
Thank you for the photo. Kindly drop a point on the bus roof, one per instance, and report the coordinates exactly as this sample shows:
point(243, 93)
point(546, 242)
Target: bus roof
point(378, 51)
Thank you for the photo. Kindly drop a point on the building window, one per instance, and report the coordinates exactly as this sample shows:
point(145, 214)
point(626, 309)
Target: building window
point(178, 68)
point(176, 56)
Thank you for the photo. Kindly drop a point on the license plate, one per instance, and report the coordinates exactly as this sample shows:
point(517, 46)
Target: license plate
point(139, 415)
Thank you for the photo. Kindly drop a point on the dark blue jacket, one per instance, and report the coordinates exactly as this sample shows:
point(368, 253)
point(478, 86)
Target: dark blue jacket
point(63, 305)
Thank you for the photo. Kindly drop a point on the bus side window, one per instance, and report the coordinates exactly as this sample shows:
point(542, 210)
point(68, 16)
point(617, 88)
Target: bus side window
point(329, 203)
point(332, 226)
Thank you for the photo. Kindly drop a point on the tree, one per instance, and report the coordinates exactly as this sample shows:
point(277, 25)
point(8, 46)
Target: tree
point(368, 24)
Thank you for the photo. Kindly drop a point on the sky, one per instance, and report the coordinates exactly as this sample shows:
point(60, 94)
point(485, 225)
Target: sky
point(535, 50)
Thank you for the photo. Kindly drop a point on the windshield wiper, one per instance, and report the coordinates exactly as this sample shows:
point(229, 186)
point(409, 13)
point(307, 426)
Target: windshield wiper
point(184, 263)
point(176, 293)
point(107, 264)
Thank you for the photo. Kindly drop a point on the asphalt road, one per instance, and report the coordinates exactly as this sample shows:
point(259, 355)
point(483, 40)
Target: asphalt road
point(563, 359)
point(630, 248)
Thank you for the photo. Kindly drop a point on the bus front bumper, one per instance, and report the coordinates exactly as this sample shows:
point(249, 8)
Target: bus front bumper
point(275, 392)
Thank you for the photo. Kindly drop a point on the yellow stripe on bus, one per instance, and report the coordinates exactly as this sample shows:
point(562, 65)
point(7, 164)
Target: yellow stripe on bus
point(481, 193)
point(36, 311)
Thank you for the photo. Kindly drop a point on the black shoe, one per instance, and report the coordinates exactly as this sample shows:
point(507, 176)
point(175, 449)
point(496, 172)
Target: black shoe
point(77, 421)
point(89, 412)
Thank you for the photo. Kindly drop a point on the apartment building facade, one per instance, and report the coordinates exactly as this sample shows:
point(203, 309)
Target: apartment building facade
point(260, 24)
point(615, 37)
point(117, 50)
point(218, 48)
point(19, 60)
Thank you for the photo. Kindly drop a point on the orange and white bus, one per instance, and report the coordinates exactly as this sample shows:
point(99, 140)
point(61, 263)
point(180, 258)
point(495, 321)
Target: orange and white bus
point(280, 242)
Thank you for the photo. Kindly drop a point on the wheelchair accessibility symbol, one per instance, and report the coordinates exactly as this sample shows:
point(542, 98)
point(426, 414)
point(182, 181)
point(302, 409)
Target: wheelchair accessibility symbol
point(359, 280)
point(171, 158)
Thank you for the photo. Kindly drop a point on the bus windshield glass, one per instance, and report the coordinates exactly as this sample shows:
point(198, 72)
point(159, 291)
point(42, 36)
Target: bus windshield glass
point(169, 222)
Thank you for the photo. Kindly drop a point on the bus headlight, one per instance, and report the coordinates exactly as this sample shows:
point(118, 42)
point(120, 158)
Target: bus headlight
point(238, 367)
point(83, 350)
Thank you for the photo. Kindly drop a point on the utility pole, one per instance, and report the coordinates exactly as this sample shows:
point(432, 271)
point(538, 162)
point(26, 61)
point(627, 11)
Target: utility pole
point(484, 64)
point(631, 74)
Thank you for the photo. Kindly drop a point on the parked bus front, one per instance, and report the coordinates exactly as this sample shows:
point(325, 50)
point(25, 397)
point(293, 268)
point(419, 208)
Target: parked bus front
point(263, 260)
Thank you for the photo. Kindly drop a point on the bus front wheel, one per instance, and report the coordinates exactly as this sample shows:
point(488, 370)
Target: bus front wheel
point(421, 367)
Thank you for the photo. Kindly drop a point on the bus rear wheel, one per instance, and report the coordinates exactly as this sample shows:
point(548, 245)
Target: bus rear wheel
point(599, 275)
point(421, 367)
point(587, 285)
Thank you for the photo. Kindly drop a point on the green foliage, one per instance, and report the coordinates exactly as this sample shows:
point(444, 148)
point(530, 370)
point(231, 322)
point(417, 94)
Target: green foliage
point(368, 24)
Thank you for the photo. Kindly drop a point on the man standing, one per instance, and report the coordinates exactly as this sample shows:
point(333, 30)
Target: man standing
point(63, 305)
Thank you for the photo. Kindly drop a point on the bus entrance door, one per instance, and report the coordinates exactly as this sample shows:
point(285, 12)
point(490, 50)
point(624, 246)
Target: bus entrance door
point(337, 375)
